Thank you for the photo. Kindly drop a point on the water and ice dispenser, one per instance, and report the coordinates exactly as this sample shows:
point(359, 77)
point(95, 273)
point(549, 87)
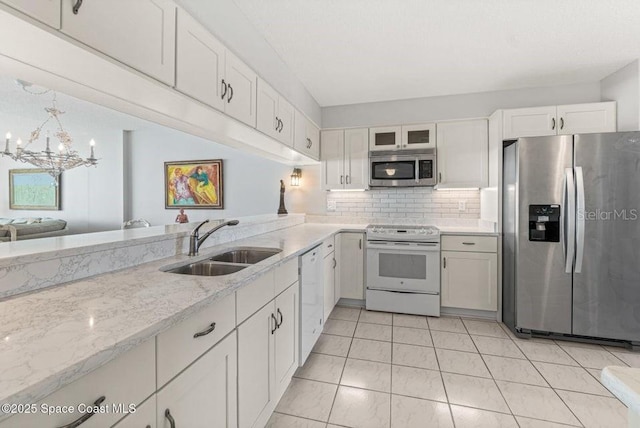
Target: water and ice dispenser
point(544, 223)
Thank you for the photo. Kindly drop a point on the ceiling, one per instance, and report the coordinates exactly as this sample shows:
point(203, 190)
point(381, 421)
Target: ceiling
point(355, 51)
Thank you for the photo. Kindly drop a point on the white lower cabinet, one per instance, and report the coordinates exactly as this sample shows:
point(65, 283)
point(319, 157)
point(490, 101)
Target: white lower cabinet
point(267, 357)
point(329, 283)
point(350, 265)
point(469, 273)
point(204, 395)
point(144, 416)
point(128, 379)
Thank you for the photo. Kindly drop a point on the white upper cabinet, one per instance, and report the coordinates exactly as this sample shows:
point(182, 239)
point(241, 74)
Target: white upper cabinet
point(306, 136)
point(530, 122)
point(345, 159)
point(419, 136)
point(139, 33)
point(241, 90)
point(275, 114)
point(463, 154)
point(587, 118)
point(385, 138)
point(560, 120)
point(47, 11)
point(200, 63)
point(332, 156)
point(356, 159)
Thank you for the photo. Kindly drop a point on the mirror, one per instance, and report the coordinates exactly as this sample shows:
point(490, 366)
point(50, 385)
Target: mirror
point(128, 182)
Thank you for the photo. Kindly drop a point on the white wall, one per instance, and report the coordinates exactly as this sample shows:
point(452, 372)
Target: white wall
point(623, 86)
point(251, 183)
point(228, 23)
point(454, 106)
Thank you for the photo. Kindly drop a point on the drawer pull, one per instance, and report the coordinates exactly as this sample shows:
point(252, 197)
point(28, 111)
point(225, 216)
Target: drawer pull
point(82, 419)
point(330, 245)
point(172, 422)
point(281, 318)
point(468, 243)
point(212, 327)
point(444, 263)
point(76, 7)
point(275, 324)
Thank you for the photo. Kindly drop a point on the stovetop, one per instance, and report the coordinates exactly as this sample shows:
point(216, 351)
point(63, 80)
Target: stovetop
point(399, 233)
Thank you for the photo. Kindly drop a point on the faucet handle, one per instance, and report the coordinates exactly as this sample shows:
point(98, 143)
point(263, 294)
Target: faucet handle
point(194, 232)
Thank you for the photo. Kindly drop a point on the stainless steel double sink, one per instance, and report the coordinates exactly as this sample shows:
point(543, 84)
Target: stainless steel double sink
point(226, 263)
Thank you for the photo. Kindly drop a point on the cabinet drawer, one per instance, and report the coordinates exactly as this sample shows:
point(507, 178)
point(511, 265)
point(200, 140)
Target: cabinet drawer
point(285, 275)
point(474, 243)
point(253, 296)
point(128, 379)
point(328, 246)
point(177, 347)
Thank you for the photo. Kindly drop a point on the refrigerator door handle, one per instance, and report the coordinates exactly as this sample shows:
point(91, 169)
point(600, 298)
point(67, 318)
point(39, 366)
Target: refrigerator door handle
point(580, 219)
point(568, 232)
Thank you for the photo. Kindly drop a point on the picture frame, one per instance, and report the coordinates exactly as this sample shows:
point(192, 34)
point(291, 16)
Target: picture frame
point(34, 189)
point(194, 184)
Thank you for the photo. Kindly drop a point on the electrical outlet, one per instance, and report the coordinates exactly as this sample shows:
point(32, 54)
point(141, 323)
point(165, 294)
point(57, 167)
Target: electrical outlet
point(462, 206)
point(331, 205)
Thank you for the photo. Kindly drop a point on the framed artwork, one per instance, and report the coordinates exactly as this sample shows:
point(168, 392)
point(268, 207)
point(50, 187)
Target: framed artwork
point(193, 184)
point(33, 189)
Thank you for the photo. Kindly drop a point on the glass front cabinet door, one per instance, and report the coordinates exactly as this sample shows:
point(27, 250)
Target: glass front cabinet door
point(418, 136)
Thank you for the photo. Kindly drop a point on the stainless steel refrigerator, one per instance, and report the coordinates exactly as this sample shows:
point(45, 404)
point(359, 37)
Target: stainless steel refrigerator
point(571, 244)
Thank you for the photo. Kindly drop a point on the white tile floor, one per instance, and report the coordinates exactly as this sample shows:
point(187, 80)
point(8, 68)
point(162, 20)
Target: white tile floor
point(372, 369)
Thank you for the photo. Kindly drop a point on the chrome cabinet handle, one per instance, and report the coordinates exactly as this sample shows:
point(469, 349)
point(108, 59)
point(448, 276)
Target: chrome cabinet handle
point(281, 125)
point(468, 243)
point(553, 123)
point(348, 179)
point(444, 262)
point(341, 179)
point(281, 318)
point(561, 122)
point(212, 327)
point(76, 7)
point(82, 419)
point(335, 263)
point(360, 244)
point(330, 245)
point(275, 324)
point(439, 177)
point(230, 94)
point(172, 422)
point(277, 123)
point(224, 89)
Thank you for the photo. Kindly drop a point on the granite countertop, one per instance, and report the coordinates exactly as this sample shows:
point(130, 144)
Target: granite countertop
point(52, 337)
point(624, 383)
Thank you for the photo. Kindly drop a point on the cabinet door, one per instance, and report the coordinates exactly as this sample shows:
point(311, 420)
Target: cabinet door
point(241, 84)
point(306, 136)
point(530, 122)
point(313, 136)
point(329, 284)
point(255, 372)
point(140, 33)
point(469, 280)
point(286, 114)
point(587, 118)
point(351, 265)
point(463, 154)
point(47, 11)
point(204, 395)
point(332, 156)
point(199, 63)
point(144, 417)
point(419, 136)
point(384, 138)
point(356, 159)
point(267, 109)
point(286, 338)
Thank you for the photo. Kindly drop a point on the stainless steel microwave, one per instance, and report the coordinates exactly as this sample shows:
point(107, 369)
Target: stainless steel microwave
point(404, 168)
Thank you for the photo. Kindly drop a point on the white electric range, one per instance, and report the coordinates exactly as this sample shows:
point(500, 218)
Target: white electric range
point(403, 269)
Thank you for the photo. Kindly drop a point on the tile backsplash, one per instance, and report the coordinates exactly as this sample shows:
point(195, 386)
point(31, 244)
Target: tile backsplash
point(415, 202)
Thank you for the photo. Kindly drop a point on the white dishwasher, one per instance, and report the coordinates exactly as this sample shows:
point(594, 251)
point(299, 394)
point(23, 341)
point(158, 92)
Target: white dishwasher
point(311, 300)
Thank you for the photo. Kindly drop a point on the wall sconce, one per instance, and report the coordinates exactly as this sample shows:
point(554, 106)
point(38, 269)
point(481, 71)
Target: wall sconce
point(295, 176)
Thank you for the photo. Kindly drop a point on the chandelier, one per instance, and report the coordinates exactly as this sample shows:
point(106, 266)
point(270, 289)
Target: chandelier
point(54, 163)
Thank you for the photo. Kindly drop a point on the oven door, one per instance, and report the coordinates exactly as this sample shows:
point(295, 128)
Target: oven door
point(403, 266)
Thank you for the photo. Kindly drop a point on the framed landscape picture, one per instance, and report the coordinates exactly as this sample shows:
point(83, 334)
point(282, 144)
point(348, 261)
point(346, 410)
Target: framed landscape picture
point(193, 184)
point(33, 189)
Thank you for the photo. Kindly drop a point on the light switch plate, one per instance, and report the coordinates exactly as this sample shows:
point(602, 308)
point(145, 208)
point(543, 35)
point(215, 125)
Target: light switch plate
point(331, 205)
